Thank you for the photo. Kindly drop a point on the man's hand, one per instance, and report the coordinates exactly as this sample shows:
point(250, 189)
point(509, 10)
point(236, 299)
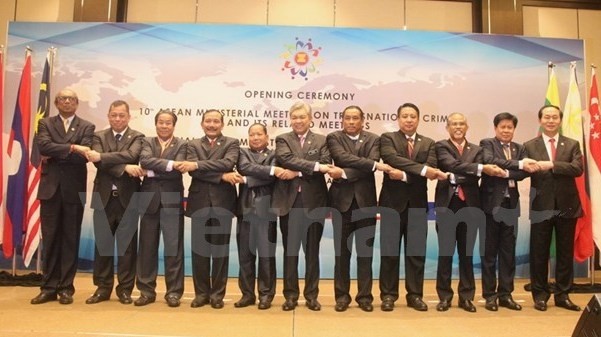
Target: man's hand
point(184, 166)
point(545, 165)
point(396, 174)
point(80, 150)
point(434, 173)
point(135, 170)
point(285, 174)
point(530, 165)
point(335, 172)
point(442, 175)
point(232, 178)
point(493, 170)
point(93, 156)
point(383, 167)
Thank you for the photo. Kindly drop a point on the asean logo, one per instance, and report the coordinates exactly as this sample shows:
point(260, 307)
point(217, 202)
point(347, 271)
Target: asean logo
point(301, 58)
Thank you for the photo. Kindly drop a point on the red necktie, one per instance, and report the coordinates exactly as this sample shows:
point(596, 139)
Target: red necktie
point(410, 147)
point(553, 148)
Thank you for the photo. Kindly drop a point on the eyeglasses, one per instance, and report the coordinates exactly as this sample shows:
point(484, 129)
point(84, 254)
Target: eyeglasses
point(67, 98)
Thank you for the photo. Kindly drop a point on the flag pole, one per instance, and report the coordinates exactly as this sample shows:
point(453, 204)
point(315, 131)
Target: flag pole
point(591, 260)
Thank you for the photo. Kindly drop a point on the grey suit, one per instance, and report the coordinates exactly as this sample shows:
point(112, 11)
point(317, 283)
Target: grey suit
point(211, 205)
point(500, 202)
point(403, 198)
point(256, 227)
point(554, 206)
point(164, 214)
point(292, 200)
point(358, 191)
point(113, 190)
point(465, 169)
point(63, 178)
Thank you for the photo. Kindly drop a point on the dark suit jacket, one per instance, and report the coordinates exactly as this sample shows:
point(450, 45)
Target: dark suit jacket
point(111, 167)
point(151, 158)
point(555, 190)
point(290, 155)
point(207, 189)
point(62, 168)
point(255, 195)
point(465, 169)
point(398, 194)
point(492, 189)
point(357, 159)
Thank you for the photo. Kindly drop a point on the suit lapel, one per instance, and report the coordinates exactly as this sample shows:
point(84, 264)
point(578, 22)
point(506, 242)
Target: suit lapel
point(72, 128)
point(57, 123)
point(561, 147)
point(541, 148)
point(416, 145)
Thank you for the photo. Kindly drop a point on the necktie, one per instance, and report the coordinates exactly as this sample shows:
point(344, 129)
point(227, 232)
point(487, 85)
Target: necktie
point(211, 143)
point(506, 151)
point(460, 193)
point(553, 148)
point(302, 140)
point(410, 147)
point(66, 125)
point(118, 137)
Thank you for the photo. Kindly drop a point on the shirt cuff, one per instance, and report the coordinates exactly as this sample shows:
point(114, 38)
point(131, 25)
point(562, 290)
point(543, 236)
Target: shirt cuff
point(424, 170)
point(169, 166)
point(316, 167)
point(506, 173)
point(344, 175)
point(150, 173)
point(480, 168)
point(373, 169)
point(404, 179)
point(244, 179)
point(271, 171)
point(452, 178)
point(521, 164)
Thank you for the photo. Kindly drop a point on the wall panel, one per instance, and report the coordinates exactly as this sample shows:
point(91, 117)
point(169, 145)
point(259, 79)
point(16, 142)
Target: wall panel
point(301, 13)
point(451, 16)
point(233, 11)
point(550, 22)
point(369, 14)
point(180, 11)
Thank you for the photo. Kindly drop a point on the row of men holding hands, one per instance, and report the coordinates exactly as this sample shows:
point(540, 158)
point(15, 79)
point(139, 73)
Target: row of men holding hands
point(289, 181)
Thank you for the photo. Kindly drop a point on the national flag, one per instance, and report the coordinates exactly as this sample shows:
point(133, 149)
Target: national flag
point(18, 152)
point(594, 157)
point(32, 236)
point(552, 95)
point(572, 127)
point(1, 144)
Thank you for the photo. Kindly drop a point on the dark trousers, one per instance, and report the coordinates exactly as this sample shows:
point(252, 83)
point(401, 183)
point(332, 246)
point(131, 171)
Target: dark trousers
point(362, 231)
point(210, 255)
point(61, 229)
point(499, 254)
point(114, 224)
point(464, 241)
point(256, 237)
point(540, 244)
point(171, 224)
point(414, 245)
point(300, 230)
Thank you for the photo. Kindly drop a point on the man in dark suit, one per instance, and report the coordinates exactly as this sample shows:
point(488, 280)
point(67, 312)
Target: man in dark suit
point(63, 140)
point(257, 231)
point(160, 203)
point(405, 191)
point(357, 153)
point(501, 204)
point(458, 214)
point(301, 202)
point(554, 206)
point(211, 204)
point(115, 153)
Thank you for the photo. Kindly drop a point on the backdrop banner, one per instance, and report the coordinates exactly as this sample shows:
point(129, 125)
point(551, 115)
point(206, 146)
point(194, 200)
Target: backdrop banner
point(255, 73)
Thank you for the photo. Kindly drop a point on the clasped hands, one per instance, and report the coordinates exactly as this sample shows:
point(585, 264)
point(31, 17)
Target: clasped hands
point(531, 165)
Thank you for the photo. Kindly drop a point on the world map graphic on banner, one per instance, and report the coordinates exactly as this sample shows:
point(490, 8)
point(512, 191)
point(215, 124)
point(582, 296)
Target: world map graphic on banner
point(253, 74)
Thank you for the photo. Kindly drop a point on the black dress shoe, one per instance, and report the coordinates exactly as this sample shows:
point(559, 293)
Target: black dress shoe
point(172, 301)
point(467, 305)
point(264, 305)
point(289, 305)
point(491, 304)
point(43, 297)
point(97, 298)
point(65, 298)
point(540, 305)
point(244, 302)
point(217, 304)
point(366, 306)
point(143, 300)
point(387, 305)
point(567, 304)
point(443, 305)
point(313, 305)
point(341, 306)
point(509, 303)
point(418, 304)
point(198, 302)
point(125, 298)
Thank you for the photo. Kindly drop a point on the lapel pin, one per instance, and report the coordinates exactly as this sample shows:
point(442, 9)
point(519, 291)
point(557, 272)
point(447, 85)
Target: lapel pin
point(360, 140)
point(218, 143)
point(419, 139)
point(129, 136)
point(309, 142)
point(264, 154)
point(561, 144)
point(73, 129)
